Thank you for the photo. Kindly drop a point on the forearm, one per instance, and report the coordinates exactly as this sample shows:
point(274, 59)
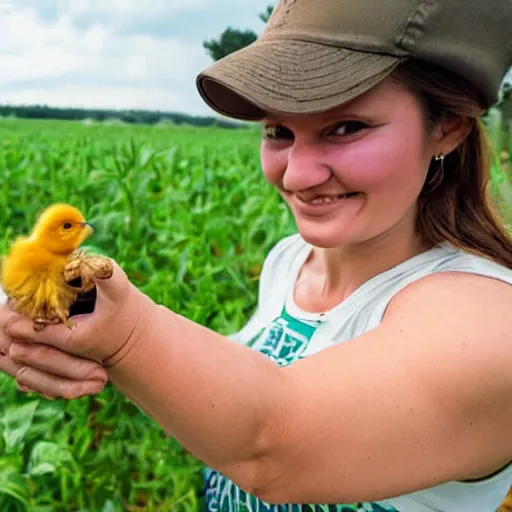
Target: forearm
point(213, 395)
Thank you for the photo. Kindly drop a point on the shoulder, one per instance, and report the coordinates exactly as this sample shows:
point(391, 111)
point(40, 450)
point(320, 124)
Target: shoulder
point(462, 278)
point(463, 261)
point(451, 274)
point(469, 292)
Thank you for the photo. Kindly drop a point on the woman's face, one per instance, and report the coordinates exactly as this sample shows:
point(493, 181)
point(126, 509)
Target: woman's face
point(354, 173)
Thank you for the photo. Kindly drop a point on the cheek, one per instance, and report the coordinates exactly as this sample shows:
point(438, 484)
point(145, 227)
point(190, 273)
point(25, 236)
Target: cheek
point(388, 162)
point(272, 163)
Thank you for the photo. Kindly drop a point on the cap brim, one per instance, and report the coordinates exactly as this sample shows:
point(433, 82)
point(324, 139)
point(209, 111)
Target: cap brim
point(293, 77)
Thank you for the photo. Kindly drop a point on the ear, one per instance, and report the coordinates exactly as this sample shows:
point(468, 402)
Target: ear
point(450, 132)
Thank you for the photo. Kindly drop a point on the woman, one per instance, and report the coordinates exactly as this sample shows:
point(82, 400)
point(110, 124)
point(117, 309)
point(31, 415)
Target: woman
point(376, 368)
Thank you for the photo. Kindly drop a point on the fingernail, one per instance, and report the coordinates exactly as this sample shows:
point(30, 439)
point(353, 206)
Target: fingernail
point(15, 350)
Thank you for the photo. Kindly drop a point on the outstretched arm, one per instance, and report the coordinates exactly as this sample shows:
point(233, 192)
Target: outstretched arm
point(413, 403)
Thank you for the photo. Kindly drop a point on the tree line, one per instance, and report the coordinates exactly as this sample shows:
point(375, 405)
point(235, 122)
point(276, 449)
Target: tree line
point(100, 115)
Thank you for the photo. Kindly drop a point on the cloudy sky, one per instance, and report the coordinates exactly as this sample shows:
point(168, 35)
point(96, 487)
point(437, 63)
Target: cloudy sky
point(113, 53)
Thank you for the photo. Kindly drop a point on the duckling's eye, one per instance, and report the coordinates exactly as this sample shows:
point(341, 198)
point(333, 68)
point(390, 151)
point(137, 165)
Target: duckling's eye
point(67, 225)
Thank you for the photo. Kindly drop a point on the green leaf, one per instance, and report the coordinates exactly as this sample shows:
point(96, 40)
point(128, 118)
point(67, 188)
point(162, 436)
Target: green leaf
point(108, 507)
point(13, 484)
point(47, 457)
point(16, 421)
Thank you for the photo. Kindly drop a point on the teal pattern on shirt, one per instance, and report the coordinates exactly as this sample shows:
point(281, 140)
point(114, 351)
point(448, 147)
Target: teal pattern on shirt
point(284, 341)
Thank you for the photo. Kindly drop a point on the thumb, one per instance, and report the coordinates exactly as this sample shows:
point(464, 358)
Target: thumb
point(106, 283)
point(114, 287)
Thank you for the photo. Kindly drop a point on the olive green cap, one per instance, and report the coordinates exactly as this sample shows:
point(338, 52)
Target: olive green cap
point(316, 54)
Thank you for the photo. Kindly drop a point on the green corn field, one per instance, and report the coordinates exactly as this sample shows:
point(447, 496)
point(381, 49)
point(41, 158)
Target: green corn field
point(188, 215)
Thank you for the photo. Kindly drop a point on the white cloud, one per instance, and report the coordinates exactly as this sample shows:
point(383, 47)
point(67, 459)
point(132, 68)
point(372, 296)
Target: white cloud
point(22, 29)
point(59, 64)
point(94, 39)
point(129, 8)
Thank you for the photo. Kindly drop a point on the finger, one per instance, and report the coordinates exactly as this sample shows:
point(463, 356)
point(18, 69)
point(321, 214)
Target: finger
point(51, 386)
point(56, 362)
point(7, 314)
point(21, 328)
point(8, 366)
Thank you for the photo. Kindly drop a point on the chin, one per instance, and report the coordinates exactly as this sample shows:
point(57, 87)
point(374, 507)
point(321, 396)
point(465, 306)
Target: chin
point(327, 238)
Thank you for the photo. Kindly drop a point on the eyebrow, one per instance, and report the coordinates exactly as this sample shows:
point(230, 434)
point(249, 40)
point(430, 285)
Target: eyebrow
point(325, 116)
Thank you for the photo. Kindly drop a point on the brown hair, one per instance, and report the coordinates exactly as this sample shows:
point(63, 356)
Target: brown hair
point(455, 204)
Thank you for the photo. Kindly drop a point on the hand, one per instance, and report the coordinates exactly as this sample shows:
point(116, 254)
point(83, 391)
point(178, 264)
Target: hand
point(121, 313)
point(46, 370)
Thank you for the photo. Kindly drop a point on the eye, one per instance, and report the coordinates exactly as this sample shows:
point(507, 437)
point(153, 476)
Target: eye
point(276, 132)
point(67, 225)
point(349, 127)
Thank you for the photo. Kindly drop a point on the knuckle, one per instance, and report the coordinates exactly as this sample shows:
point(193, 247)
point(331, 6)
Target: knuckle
point(27, 382)
point(83, 365)
point(42, 350)
point(22, 373)
point(11, 325)
point(21, 351)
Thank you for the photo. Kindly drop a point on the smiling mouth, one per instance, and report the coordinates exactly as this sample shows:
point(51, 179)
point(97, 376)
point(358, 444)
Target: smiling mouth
point(330, 199)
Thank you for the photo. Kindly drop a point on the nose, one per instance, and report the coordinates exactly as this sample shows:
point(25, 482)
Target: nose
point(304, 168)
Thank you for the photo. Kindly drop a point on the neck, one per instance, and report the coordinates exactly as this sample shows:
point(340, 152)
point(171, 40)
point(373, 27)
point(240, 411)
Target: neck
point(344, 269)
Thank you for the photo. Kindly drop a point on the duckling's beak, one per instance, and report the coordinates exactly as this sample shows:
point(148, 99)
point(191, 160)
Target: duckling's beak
point(87, 231)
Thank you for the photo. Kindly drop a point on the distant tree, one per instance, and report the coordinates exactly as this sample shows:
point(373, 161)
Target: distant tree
point(230, 41)
point(233, 39)
point(264, 16)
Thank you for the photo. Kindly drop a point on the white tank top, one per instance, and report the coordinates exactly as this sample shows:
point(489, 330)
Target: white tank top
point(360, 312)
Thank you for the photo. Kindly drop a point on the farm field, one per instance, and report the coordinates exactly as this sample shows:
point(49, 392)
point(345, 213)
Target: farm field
point(186, 212)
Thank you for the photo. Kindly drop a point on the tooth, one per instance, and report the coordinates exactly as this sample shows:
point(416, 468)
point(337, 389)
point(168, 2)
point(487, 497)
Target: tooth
point(319, 200)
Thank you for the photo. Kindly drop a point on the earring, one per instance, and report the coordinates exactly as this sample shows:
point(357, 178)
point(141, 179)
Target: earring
point(438, 175)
